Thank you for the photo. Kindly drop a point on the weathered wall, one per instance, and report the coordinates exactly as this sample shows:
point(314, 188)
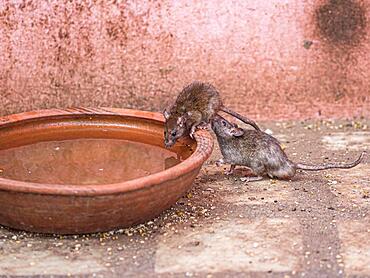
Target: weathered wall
point(269, 59)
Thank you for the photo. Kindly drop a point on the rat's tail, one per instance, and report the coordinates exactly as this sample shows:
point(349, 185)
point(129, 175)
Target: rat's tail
point(331, 165)
point(240, 117)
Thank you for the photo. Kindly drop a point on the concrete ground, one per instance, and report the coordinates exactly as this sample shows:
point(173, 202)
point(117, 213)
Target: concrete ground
point(317, 225)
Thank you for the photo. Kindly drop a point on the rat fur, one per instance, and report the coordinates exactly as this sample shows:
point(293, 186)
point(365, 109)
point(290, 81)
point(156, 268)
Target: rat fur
point(194, 108)
point(261, 152)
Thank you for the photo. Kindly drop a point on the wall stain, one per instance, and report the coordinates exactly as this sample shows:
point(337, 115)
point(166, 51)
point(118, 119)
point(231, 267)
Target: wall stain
point(341, 23)
point(339, 29)
point(7, 17)
point(120, 27)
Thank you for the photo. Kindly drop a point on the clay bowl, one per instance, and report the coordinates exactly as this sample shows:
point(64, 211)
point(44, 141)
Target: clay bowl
point(86, 208)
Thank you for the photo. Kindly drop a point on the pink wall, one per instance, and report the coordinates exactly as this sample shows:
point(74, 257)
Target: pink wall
point(270, 59)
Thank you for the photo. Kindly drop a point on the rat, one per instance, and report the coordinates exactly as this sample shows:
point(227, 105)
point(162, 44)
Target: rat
point(194, 108)
point(261, 152)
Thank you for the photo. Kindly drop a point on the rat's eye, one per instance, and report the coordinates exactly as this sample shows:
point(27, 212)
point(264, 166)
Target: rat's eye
point(173, 133)
point(223, 123)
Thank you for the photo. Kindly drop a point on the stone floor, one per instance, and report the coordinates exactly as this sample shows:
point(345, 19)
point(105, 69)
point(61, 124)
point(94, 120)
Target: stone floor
point(317, 225)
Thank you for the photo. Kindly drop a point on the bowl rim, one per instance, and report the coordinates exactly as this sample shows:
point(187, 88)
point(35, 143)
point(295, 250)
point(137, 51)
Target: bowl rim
point(196, 159)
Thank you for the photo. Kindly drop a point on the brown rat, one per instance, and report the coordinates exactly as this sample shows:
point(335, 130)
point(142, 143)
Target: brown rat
point(261, 152)
point(194, 108)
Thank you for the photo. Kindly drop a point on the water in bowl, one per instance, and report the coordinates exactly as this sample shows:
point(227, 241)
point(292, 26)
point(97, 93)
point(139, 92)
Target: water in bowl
point(84, 161)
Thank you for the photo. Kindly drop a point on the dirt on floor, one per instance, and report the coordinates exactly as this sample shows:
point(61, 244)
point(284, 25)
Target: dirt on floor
point(316, 225)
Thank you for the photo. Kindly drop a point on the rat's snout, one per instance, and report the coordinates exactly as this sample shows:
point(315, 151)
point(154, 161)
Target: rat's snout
point(166, 139)
point(168, 143)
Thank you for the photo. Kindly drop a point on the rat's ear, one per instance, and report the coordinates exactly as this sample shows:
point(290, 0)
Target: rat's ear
point(236, 132)
point(166, 114)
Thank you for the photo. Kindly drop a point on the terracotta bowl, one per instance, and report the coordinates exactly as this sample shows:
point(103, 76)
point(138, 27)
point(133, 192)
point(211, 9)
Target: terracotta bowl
point(74, 209)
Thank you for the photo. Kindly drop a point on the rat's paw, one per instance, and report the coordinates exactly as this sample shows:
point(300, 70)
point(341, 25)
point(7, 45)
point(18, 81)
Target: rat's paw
point(191, 134)
point(203, 126)
point(192, 131)
point(228, 172)
point(231, 170)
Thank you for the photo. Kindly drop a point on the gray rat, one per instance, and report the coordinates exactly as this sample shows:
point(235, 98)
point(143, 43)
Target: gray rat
point(261, 152)
point(194, 108)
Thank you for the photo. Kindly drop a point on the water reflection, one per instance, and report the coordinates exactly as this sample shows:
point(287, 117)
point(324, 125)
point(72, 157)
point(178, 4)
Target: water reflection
point(84, 161)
